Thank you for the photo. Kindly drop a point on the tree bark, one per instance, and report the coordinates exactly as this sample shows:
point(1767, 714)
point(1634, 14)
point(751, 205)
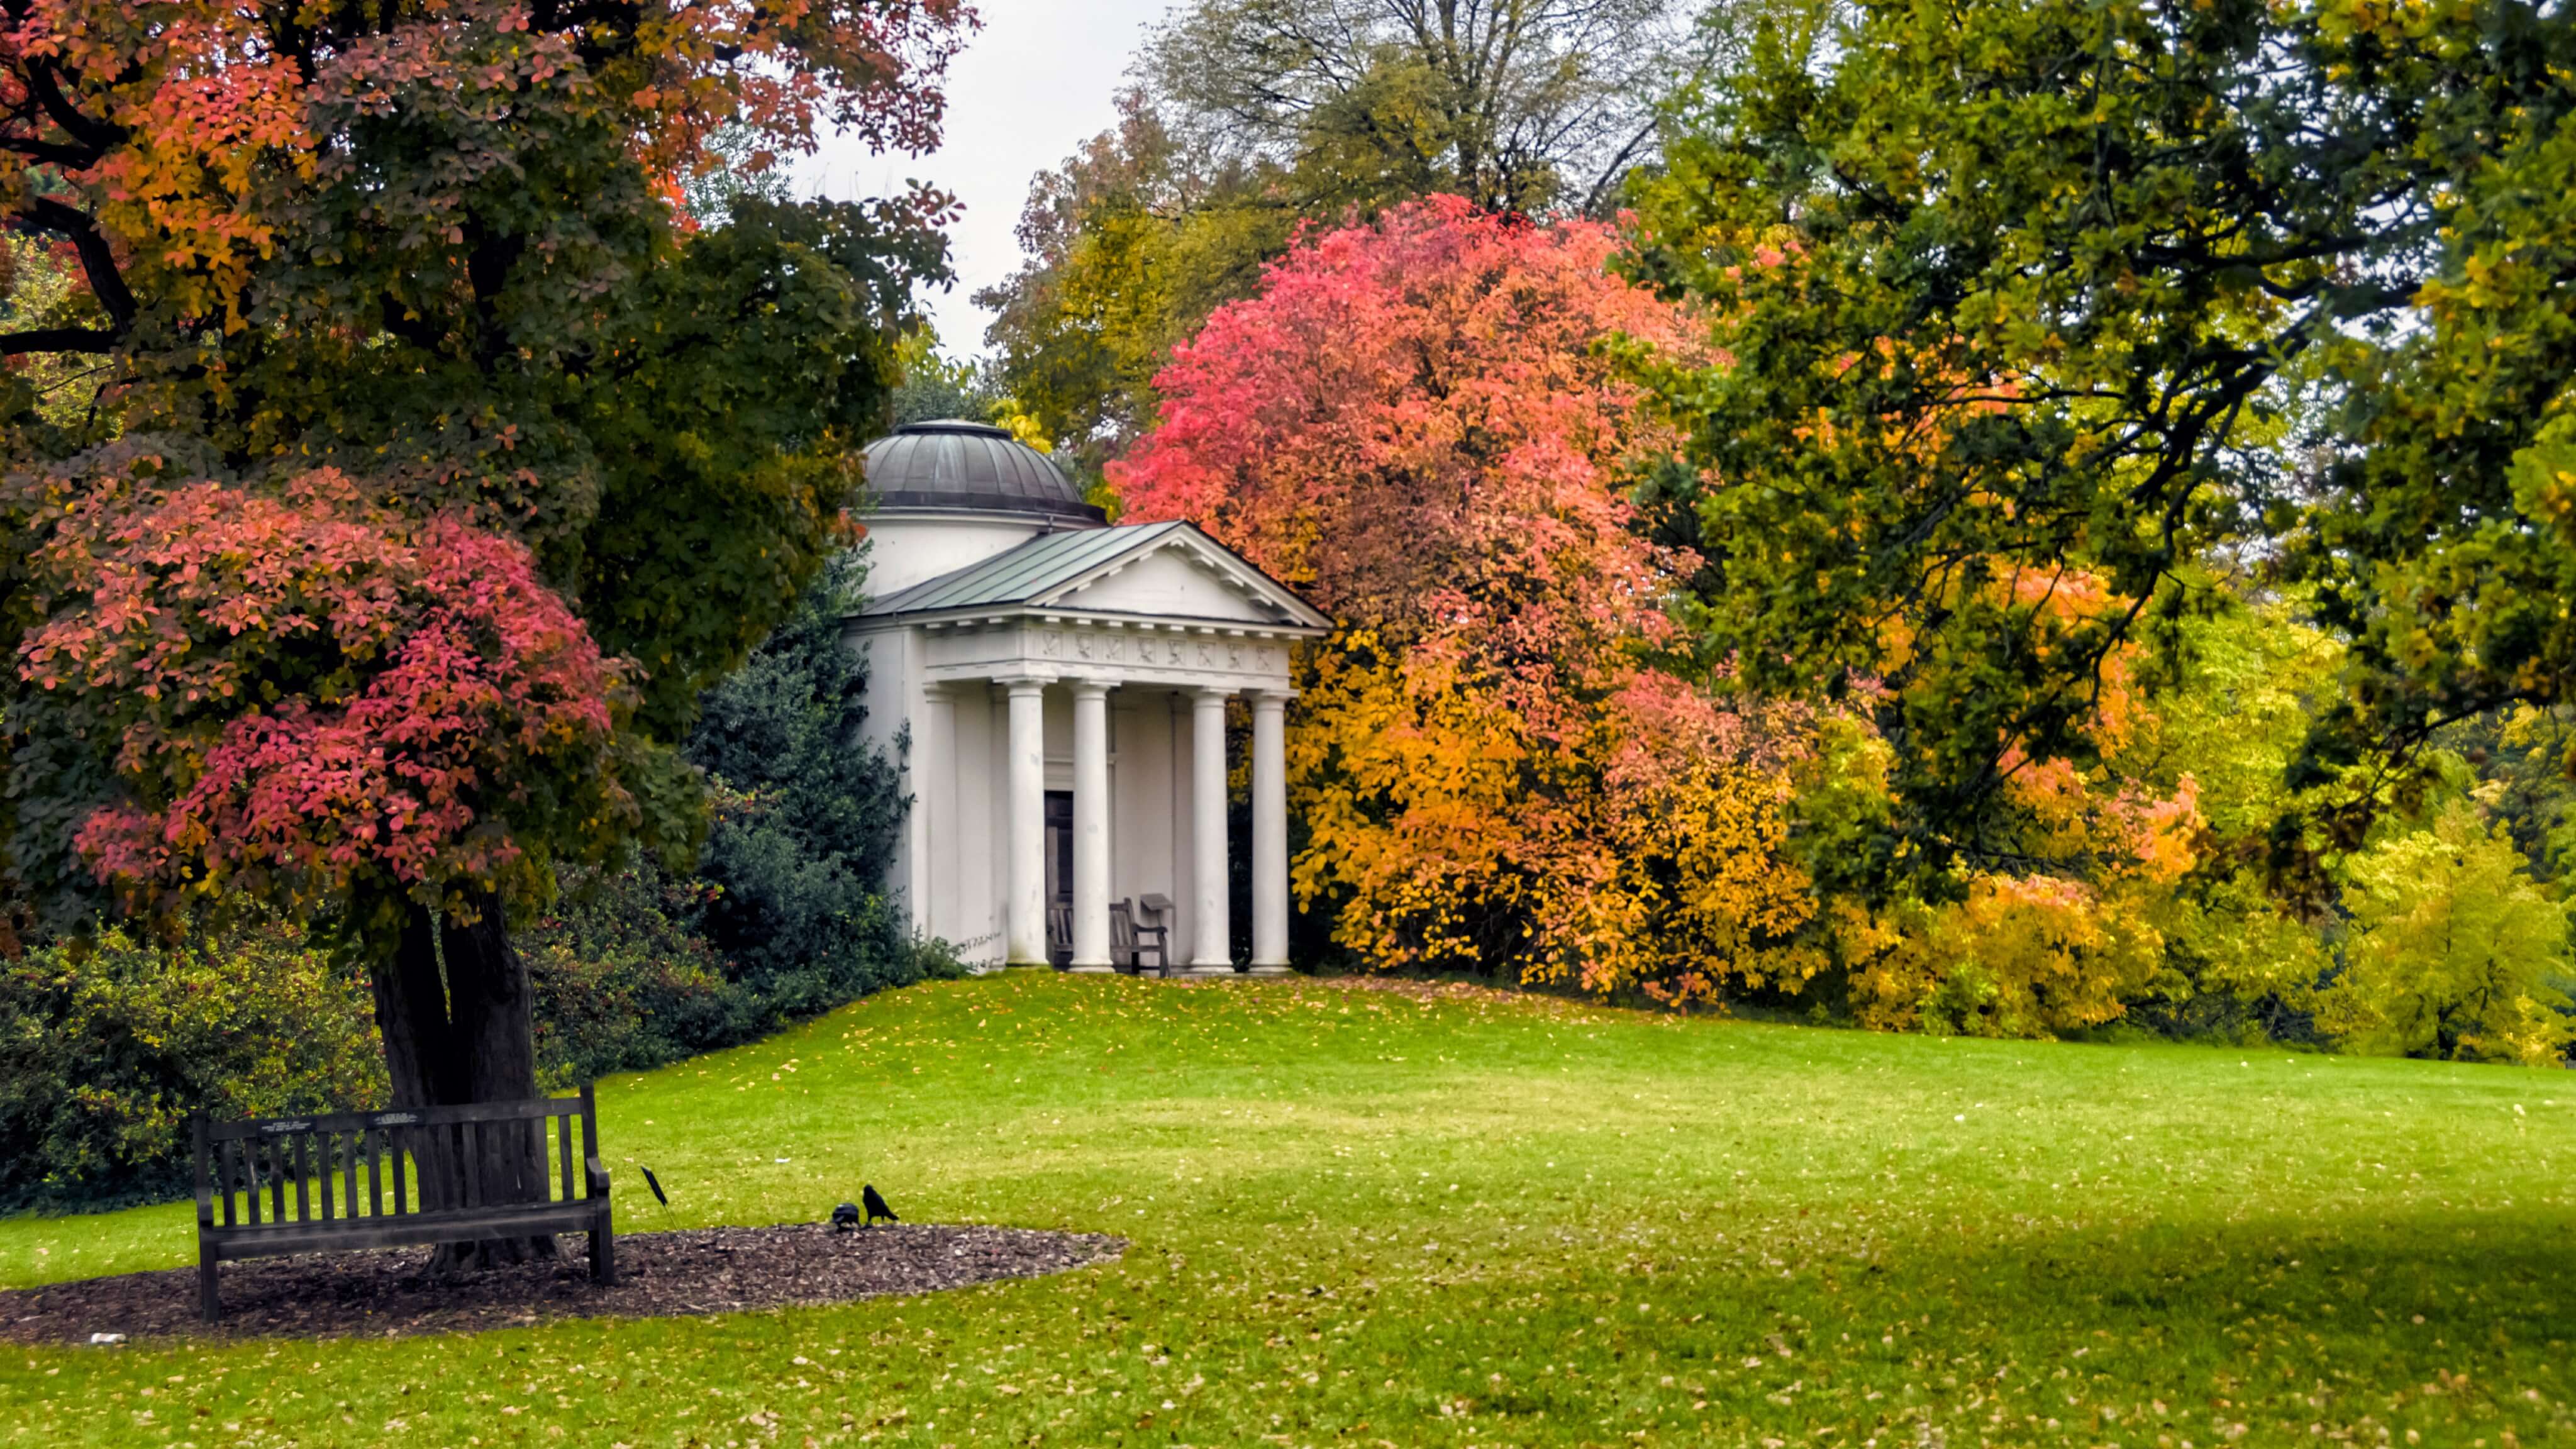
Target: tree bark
point(465, 1033)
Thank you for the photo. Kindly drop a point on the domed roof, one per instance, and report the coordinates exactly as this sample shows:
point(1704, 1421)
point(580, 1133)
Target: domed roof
point(975, 466)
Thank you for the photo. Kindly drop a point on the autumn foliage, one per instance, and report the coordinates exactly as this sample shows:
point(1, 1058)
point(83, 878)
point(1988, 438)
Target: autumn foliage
point(198, 129)
point(1507, 757)
point(1422, 424)
point(311, 697)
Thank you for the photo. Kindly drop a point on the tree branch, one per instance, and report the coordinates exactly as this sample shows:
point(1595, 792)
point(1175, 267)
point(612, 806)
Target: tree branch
point(44, 84)
point(59, 339)
point(98, 259)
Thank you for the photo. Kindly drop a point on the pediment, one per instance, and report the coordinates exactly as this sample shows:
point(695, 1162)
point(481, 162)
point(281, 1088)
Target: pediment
point(1169, 583)
point(1177, 572)
point(1160, 572)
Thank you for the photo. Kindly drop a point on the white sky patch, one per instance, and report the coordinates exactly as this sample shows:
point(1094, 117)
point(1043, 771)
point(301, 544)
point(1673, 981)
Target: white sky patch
point(1033, 84)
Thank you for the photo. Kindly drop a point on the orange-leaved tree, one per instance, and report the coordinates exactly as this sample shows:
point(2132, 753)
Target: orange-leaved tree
point(1424, 424)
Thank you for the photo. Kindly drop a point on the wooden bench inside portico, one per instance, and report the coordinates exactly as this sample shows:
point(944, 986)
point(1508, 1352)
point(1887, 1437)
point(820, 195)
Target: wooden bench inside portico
point(425, 1175)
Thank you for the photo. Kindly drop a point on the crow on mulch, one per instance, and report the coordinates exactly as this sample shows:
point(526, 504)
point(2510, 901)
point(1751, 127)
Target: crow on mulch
point(876, 1205)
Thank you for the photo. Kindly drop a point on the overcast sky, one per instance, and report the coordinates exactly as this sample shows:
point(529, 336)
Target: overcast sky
point(1032, 85)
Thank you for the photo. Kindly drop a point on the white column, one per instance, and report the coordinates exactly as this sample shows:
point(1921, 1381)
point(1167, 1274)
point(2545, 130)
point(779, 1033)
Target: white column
point(1270, 833)
point(1215, 953)
point(1024, 909)
point(934, 753)
point(1090, 825)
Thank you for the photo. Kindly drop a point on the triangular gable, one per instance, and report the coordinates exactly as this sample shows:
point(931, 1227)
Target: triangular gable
point(1181, 573)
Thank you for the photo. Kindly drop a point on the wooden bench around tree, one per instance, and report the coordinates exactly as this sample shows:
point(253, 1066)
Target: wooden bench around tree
point(423, 1175)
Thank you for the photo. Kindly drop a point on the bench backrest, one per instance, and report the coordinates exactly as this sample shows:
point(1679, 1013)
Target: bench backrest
point(352, 1166)
point(1130, 942)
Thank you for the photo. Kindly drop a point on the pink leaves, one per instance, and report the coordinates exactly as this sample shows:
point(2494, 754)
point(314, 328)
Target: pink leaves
point(308, 690)
point(1430, 388)
point(1422, 423)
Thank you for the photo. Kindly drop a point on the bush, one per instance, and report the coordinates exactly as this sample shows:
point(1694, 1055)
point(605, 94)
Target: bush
point(804, 818)
point(106, 1049)
point(622, 983)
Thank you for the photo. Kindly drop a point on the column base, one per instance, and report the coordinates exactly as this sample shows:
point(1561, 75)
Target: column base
point(1096, 968)
point(1225, 970)
point(1275, 968)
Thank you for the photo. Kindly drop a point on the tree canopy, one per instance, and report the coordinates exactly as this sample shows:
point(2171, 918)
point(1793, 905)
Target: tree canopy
point(2040, 319)
point(1419, 422)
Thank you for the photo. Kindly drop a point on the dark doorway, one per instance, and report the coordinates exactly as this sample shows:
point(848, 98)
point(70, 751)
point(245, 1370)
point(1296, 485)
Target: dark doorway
point(1059, 876)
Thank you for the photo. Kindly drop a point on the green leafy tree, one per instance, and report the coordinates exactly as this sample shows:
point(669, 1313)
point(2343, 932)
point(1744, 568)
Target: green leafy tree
point(2015, 296)
point(1130, 245)
point(2453, 950)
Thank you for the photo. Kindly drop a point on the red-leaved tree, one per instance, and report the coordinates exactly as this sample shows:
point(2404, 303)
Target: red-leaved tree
point(1425, 425)
point(315, 703)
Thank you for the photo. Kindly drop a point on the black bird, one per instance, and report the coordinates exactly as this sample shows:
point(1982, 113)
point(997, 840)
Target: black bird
point(845, 1217)
point(654, 1183)
point(876, 1205)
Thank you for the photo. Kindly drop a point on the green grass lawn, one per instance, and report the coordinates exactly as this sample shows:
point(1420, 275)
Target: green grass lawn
point(1361, 1218)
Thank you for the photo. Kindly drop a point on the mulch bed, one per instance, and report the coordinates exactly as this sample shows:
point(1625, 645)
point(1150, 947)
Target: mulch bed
point(385, 1294)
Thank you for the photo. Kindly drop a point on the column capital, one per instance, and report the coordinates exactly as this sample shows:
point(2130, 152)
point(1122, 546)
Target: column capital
point(1087, 688)
point(1018, 685)
point(1272, 698)
point(1218, 692)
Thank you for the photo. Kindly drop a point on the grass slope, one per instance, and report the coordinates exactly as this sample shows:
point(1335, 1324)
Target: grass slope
point(1362, 1218)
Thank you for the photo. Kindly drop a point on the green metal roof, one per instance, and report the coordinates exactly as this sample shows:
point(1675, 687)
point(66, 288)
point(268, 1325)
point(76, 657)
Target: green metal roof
point(1020, 574)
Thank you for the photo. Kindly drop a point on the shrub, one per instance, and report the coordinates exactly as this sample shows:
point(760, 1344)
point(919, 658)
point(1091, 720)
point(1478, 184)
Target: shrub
point(622, 983)
point(804, 818)
point(105, 1049)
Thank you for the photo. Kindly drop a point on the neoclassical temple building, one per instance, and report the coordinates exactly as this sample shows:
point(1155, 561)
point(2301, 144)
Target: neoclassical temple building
point(1065, 683)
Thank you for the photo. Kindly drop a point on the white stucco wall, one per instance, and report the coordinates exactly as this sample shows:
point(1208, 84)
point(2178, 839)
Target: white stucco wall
point(906, 546)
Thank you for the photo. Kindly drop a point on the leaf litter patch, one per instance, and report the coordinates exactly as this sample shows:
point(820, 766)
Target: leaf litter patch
point(387, 1293)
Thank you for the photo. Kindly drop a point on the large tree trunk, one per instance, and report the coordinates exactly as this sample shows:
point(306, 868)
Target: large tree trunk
point(466, 1033)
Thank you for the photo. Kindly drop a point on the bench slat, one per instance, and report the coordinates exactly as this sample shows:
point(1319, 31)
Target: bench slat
point(563, 1150)
point(375, 1173)
point(589, 1134)
point(402, 1117)
point(419, 1228)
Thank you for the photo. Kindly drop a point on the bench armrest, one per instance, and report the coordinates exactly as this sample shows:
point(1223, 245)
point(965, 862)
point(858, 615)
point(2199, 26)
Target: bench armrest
point(598, 1174)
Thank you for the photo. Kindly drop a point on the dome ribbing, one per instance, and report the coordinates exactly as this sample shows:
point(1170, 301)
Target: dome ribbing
point(954, 464)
